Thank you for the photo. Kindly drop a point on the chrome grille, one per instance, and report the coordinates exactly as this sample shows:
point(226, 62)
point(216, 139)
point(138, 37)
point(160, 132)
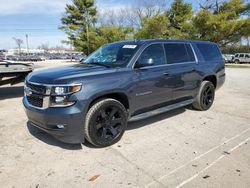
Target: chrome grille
point(35, 100)
point(36, 95)
point(39, 89)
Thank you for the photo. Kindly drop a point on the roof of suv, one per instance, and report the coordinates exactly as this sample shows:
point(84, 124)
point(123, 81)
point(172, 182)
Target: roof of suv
point(149, 41)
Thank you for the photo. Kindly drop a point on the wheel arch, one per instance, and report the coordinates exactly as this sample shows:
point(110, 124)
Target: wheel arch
point(117, 95)
point(211, 78)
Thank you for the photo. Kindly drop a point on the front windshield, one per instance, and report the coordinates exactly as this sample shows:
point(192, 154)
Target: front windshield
point(114, 55)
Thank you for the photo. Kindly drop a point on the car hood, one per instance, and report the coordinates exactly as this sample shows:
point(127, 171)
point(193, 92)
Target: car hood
point(67, 74)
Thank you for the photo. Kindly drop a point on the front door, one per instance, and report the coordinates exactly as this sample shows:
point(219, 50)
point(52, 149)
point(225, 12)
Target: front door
point(151, 85)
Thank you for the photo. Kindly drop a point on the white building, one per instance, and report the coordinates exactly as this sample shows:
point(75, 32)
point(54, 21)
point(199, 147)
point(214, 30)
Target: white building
point(24, 50)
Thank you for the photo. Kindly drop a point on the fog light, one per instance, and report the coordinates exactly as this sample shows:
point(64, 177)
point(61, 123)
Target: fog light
point(59, 99)
point(60, 126)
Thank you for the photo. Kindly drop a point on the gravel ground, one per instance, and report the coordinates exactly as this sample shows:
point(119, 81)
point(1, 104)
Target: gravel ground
point(181, 148)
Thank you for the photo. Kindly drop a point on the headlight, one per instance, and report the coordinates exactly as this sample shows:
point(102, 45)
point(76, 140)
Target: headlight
point(60, 95)
point(65, 90)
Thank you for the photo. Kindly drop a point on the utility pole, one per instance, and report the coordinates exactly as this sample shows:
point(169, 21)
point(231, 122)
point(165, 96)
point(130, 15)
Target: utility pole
point(87, 21)
point(87, 30)
point(71, 51)
point(27, 42)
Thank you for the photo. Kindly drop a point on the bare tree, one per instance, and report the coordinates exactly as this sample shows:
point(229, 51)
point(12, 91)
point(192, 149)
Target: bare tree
point(149, 8)
point(212, 5)
point(107, 17)
point(19, 42)
point(132, 16)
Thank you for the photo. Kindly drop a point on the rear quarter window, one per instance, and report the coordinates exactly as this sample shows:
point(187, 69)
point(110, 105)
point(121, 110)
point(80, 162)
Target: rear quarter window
point(210, 52)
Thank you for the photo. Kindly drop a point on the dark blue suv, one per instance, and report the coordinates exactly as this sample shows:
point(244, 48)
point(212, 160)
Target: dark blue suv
point(122, 81)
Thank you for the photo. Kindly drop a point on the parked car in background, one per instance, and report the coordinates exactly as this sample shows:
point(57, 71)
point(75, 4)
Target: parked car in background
point(122, 81)
point(11, 58)
point(1, 58)
point(228, 58)
point(79, 57)
point(241, 58)
point(23, 58)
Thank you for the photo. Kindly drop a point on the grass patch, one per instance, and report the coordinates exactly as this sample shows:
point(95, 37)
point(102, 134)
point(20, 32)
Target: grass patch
point(238, 65)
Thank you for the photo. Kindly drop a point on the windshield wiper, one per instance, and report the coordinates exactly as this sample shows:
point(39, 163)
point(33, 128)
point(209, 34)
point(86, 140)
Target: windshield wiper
point(101, 64)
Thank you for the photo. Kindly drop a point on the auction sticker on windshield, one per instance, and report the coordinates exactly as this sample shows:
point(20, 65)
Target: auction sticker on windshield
point(130, 46)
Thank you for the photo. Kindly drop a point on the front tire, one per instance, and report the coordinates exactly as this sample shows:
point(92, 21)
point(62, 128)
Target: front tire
point(205, 97)
point(105, 123)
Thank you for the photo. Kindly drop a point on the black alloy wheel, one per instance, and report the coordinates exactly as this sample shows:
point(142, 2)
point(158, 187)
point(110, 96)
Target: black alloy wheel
point(205, 97)
point(105, 123)
point(108, 123)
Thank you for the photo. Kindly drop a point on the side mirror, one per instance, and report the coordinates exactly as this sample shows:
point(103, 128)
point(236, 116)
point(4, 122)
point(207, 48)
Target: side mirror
point(144, 63)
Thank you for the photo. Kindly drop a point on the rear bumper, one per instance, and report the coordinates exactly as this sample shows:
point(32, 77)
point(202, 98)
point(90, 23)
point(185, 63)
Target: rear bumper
point(220, 80)
point(72, 118)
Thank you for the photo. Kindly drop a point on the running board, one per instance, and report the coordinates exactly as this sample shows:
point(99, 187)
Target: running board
point(161, 110)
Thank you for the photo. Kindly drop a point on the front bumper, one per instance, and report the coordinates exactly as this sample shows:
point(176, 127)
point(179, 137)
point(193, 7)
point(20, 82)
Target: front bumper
point(72, 118)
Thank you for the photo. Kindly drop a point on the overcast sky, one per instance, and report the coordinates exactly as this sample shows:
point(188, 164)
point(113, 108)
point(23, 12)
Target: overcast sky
point(40, 20)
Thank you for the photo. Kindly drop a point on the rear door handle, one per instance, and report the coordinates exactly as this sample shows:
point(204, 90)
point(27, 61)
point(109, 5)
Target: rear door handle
point(166, 73)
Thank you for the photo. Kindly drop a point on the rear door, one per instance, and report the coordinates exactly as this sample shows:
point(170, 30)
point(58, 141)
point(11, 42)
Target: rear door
point(181, 71)
point(241, 58)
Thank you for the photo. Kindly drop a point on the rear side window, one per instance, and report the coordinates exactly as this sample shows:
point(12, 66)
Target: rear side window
point(247, 56)
point(178, 53)
point(210, 52)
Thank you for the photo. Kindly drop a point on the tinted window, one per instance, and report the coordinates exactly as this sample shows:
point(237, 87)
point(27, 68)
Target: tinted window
point(247, 56)
point(176, 53)
point(241, 55)
point(190, 52)
point(236, 55)
point(210, 52)
point(152, 55)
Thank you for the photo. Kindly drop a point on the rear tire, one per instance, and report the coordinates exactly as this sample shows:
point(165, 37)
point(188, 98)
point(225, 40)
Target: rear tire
point(237, 61)
point(205, 97)
point(105, 123)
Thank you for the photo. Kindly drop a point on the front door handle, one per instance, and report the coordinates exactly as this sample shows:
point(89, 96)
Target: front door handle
point(166, 73)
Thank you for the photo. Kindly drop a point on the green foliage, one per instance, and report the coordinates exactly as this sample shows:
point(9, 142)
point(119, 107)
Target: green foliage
point(225, 24)
point(77, 23)
point(114, 33)
point(180, 15)
point(175, 23)
point(235, 49)
point(154, 28)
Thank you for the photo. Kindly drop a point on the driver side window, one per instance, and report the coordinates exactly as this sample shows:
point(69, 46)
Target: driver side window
point(153, 55)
